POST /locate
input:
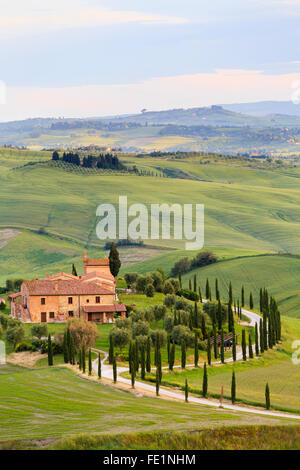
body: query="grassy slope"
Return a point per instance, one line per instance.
(227, 438)
(280, 274)
(55, 402)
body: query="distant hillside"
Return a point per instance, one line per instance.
(264, 108)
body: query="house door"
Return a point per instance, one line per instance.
(43, 317)
(90, 317)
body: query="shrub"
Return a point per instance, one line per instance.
(204, 258)
(123, 323)
(183, 333)
(15, 334)
(84, 333)
(25, 346)
(168, 288)
(170, 300)
(188, 294)
(140, 328)
(149, 290)
(130, 278)
(3, 320)
(39, 330)
(181, 266)
(169, 322)
(182, 304)
(120, 336)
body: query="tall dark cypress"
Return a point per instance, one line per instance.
(114, 260)
(265, 330)
(195, 282)
(114, 369)
(196, 350)
(143, 362)
(243, 296)
(261, 336)
(260, 300)
(251, 303)
(83, 359)
(168, 347)
(230, 299)
(217, 290)
(196, 324)
(256, 340)
(65, 348)
(172, 356)
(233, 388)
(219, 315)
(209, 349)
(222, 347)
(200, 294)
(183, 354)
(233, 345)
(244, 346)
(250, 347)
(99, 366)
(190, 284)
(132, 368)
(267, 395)
(215, 342)
(90, 362)
(203, 327)
(207, 290)
(157, 382)
(111, 350)
(205, 381)
(180, 280)
(50, 351)
(186, 391)
(148, 357)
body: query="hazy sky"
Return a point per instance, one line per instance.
(101, 57)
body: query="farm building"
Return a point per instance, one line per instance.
(62, 296)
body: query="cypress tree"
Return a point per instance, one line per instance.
(200, 295)
(267, 395)
(256, 340)
(180, 280)
(250, 347)
(260, 300)
(80, 359)
(148, 358)
(195, 282)
(190, 284)
(72, 351)
(207, 290)
(205, 382)
(209, 349)
(99, 366)
(186, 391)
(111, 350)
(157, 382)
(196, 350)
(222, 346)
(143, 363)
(115, 369)
(83, 359)
(270, 332)
(65, 348)
(136, 356)
(217, 290)
(50, 351)
(243, 296)
(219, 315)
(203, 327)
(90, 362)
(69, 346)
(230, 293)
(130, 356)
(215, 342)
(251, 303)
(233, 388)
(233, 345)
(244, 346)
(265, 332)
(196, 315)
(183, 354)
(74, 272)
(172, 356)
(114, 260)
(261, 336)
(168, 347)
(132, 373)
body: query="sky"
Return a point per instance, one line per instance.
(81, 58)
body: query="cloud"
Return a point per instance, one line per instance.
(203, 89)
(66, 14)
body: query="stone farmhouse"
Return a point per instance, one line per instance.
(62, 296)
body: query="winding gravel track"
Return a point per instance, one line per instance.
(107, 372)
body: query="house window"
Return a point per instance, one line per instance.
(43, 300)
(71, 313)
(87, 301)
(51, 315)
(97, 300)
(70, 300)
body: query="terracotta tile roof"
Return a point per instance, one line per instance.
(104, 308)
(14, 296)
(97, 262)
(64, 287)
(54, 276)
(100, 276)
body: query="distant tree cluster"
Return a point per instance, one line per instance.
(203, 258)
(103, 161)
